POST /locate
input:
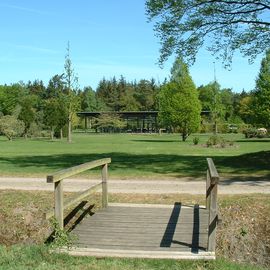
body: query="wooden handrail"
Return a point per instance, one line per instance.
(212, 180)
(58, 177)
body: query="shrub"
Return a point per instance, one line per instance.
(34, 130)
(196, 140)
(11, 127)
(250, 132)
(216, 140)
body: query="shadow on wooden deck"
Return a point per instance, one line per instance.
(147, 231)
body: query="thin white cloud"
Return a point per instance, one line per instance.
(36, 49)
(23, 9)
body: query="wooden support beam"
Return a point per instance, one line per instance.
(77, 198)
(212, 180)
(104, 186)
(58, 178)
(58, 203)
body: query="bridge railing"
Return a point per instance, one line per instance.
(212, 180)
(58, 178)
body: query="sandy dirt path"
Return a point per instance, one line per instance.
(232, 185)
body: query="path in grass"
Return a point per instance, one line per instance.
(232, 185)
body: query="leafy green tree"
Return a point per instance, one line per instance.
(27, 111)
(179, 104)
(56, 86)
(36, 88)
(145, 94)
(109, 122)
(11, 127)
(51, 114)
(246, 110)
(88, 100)
(10, 97)
(227, 98)
(183, 26)
(210, 97)
(261, 104)
(109, 92)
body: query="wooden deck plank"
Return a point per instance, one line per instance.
(160, 254)
(147, 228)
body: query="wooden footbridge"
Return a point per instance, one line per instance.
(140, 230)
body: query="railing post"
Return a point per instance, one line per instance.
(208, 189)
(58, 203)
(104, 185)
(211, 203)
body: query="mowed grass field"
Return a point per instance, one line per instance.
(135, 156)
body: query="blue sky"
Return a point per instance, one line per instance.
(107, 38)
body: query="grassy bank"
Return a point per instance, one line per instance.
(135, 156)
(243, 236)
(38, 257)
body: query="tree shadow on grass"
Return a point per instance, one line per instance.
(157, 141)
(162, 164)
(254, 140)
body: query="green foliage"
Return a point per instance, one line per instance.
(227, 26)
(11, 127)
(261, 102)
(215, 140)
(52, 114)
(10, 97)
(210, 96)
(120, 95)
(196, 140)
(61, 237)
(27, 112)
(179, 104)
(246, 109)
(71, 100)
(109, 122)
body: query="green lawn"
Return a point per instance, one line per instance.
(134, 155)
(38, 257)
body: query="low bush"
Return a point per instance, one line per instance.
(196, 140)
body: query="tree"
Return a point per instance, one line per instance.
(109, 122)
(10, 97)
(179, 104)
(71, 83)
(246, 110)
(51, 114)
(27, 112)
(88, 100)
(210, 97)
(11, 127)
(145, 94)
(261, 101)
(56, 86)
(183, 26)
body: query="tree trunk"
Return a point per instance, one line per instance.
(184, 136)
(61, 133)
(52, 133)
(69, 129)
(215, 128)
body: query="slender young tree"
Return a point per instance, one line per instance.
(72, 101)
